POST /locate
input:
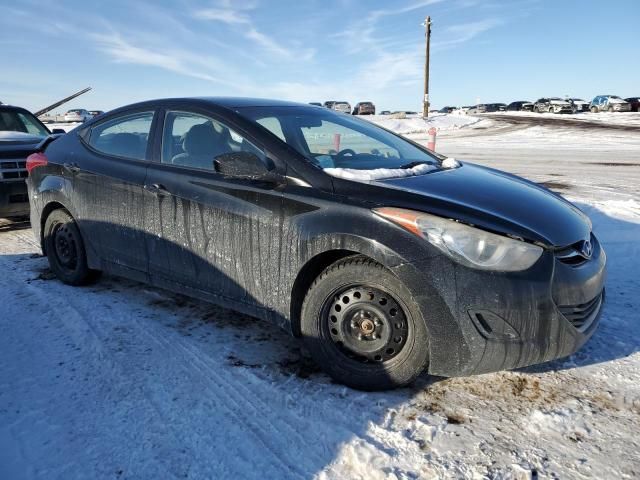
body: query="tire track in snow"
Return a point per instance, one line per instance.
(69, 317)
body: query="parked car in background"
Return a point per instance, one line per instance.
(95, 113)
(579, 105)
(364, 108)
(466, 108)
(385, 112)
(496, 107)
(315, 104)
(20, 133)
(446, 109)
(609, 103)
(518, 106)
(552, 105)
(77, 115)
(328, 104)
(342, 107)
(634, 102)
(480, 108)
(452, 267)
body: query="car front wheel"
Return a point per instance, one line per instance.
(65, 250)
(362, 327)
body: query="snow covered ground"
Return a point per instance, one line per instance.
(119, 380)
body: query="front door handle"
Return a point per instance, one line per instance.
(157, 189)
(71, 167)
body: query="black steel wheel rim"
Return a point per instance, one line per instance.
(65, 247)
(366, 323)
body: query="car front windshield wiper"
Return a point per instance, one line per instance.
(414, 164)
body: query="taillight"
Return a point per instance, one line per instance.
(34, 160)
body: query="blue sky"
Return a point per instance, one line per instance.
(315, 50)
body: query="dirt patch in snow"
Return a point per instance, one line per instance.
(555, 185)
(613, 164)
(560, 121)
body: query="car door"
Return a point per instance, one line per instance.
(601, 103)
(108, 178)
(208, 232)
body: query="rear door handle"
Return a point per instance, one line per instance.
(71, 167)
(157, 189)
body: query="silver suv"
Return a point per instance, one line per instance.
(609, 103)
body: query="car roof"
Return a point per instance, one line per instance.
(226, 102)
(4, 106)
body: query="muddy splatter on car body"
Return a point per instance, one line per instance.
(458, 269)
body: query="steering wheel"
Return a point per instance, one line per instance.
(344, 153)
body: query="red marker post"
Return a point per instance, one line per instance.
(336, 142)
(431, 145)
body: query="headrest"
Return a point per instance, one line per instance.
(200, 140)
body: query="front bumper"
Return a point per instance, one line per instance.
(14, 201)
(481, 321)
(619, 107)
(562, 109)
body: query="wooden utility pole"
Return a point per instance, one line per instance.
(425, 101)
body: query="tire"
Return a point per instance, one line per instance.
(550, 109)
(536, 109)
(358, 297)
(594, 110)
(65, 250)
(610, 110)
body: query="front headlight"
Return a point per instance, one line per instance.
(466, 245)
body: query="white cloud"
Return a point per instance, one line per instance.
(225, 15)
(124, 51)
(237, 17)
(464, 32)
(361, 36)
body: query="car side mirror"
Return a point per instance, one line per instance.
(58, 130)
(243, 165)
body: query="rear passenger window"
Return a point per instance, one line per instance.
(192, 140)
(126, 136)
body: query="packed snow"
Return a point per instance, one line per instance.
(120, 380)
(379, 173)
(417, 124)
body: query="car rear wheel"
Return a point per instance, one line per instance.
(594, 110)
(361, 326)
(65, 250)
(550, 109)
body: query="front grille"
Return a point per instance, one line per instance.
(19, 198)
(573, 255)
(13, 169)
(582, 316)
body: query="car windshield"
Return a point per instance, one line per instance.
(21, 121)
(331, 140)
(615, 96)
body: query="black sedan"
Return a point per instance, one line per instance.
(520, 106)
(634, 102)
(386, 258)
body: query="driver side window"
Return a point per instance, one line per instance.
(331, 139)
(193, 140)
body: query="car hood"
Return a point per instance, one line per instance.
(558, 102)
(18, 138)
(496, 201)
(616, 100)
